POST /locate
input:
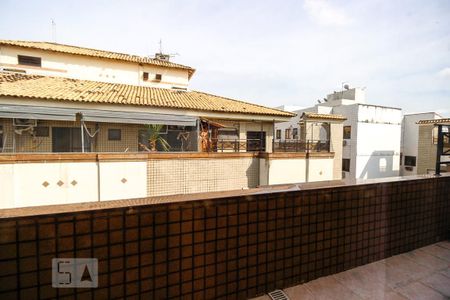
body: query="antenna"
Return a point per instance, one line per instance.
(53, 30)
(162, 56)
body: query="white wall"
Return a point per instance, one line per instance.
(123, 180)
(90, 68)
(25, 184)
(294, 170)
(33, 184)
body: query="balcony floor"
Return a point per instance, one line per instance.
(420, 274)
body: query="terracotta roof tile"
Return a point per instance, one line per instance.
(64, 89)
(311, 115)
(445, 121)
(96, 53)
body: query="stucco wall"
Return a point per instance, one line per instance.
(295, 170)
(90, 68)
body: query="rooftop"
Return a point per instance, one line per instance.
(420, 274)
(74, 90)
(75, 50)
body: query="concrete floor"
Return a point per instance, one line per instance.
(420, 274)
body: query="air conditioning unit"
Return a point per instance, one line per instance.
(24, 122)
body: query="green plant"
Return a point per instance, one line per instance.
(154, 137)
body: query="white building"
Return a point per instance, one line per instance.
(372, 133)
(410, 141)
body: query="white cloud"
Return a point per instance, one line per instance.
(444, 73)
(324, 13)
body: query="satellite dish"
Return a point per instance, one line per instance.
(318, 101)
(346, 86)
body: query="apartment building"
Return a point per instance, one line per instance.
(371, 133)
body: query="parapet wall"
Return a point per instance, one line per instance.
(231, 245)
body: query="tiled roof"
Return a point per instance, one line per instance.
(64, 89)
(435, 121)
(311, 115)
(95, 53)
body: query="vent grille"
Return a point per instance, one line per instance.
(278, 295)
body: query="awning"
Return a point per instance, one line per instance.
(37, 112)
(137, 118)
(92, 115)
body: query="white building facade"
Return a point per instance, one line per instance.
(372, 134)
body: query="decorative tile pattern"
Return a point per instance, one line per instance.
(60, 183)
(74, 182)
(45, 184)
(124, 180)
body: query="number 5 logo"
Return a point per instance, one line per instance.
(64, 277)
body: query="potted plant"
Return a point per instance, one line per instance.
(153, 134)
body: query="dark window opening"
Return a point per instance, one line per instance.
(114, 134)
(410, 161)
(278, 134)
(67, 139)
(29, 60)
(295, 133)
(145, 76)
(346, 165)
(256, 141)
(287, 134)
(158, 77)
(347, 132)
(42, 131)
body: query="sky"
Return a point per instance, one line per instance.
(280, 52)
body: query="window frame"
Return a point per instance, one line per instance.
(111, 132)
(410, 161)
(22, 60)
(344, 163)
(347, 135)
(278, 134)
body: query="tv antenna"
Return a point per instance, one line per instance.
(162, 56)
(53, 30)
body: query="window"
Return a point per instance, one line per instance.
(256, 141)
(145, 76)
(114, 134)
(287, 134)
(346, 165)
(42, 131)
(410, 161)
(295, 133)
(278, 134)
(29, 60)
(158, 77)
(347, 132)
(67, 139)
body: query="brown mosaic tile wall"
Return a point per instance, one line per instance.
(229, 248)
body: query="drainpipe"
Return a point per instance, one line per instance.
(82, 134)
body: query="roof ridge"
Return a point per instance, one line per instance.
(241, 101)
(19, 43)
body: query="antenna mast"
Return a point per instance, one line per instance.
(53, 31)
